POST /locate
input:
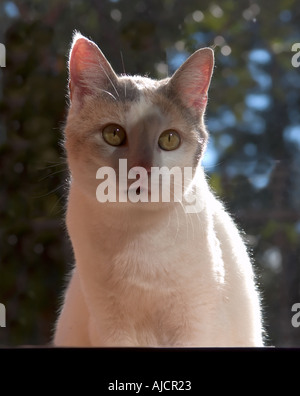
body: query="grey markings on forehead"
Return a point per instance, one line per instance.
(122, 90)
(133, 88)
(144, 121)
(128, 91)
(144, 114)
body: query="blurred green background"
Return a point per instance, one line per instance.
(252, 160)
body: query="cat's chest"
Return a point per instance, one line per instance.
(156, 258)
(148, 249)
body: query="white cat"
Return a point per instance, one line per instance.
(149, 274)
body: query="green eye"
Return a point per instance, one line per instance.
(114, 135)
(169, 140)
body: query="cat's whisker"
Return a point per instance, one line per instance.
(54, 164)
(49, 192)
(109, 93)
(178, 227)
(110, 80)
(52, 174)
(58, 201)
(125, 85)
(186, 217)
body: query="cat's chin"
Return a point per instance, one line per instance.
(141, 198)
(139, 207)
(140, 194)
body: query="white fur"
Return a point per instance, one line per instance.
(172, 280)
(138, 111)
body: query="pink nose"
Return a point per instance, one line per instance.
(144, 166)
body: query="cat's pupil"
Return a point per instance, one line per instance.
(169, 140)
(114, 135)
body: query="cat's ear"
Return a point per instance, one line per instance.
(191, 81)
(89, 70)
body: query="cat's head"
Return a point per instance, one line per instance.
(146, 122)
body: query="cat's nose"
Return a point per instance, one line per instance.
(145, 166)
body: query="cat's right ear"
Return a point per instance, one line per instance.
(89, 70)
(191, 81)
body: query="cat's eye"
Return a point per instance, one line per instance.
(169, 140)
(114, 134)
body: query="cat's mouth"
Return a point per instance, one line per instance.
(139, 190)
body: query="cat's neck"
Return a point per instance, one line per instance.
(119, 217)
(107, 228)
(133, 234)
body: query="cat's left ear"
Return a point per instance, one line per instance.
(191, 81)
(89, 70)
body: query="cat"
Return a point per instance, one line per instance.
(149, 274)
